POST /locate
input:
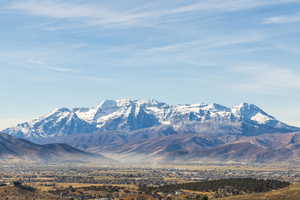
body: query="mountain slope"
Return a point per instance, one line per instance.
(167, 145)
(19, 193)
(289, 193)
(20, 149)
(127, 116)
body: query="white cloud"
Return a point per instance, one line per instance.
(63, 10)
(60, 69)
(41, 65)
(6, 122)
(229, 5)
(210, 43)
(56, 9)
(294, 123)
(98, 14)
(267, 78)
(283, 19)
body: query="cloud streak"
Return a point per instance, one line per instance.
(41, 65)
(267, 78)
(229, 5)
(7, 122)
(283, 19)
(100, 15)
(209, 43)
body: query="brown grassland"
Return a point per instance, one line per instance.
(290, 193)
(14, 193)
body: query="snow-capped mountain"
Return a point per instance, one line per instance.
(58, 122)
(129, 115)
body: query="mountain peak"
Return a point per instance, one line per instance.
(107, 104)
(252, 112)
(217, 107)
(64, 109)
(246, 105)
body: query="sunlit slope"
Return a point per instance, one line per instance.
(290, 193)
(15, 193)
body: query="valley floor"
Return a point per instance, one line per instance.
(86, 182)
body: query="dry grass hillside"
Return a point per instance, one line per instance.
(16, 193)
(290, 193)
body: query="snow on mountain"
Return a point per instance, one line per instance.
(250, 112)
(128, 115)
(61, 121)
(122, 114)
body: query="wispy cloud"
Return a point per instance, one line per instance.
(98, 14)
(41, 65)
(91, 14)
(57, 9)
(295, 123)
(209, 43)
(284, 19)
(60, 69)
(260, 77)
(6, 122)
(229, 5)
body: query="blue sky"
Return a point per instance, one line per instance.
(57, 53)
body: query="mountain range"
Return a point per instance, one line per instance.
(169, 132)
(130, 115)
